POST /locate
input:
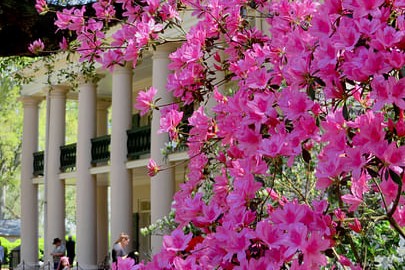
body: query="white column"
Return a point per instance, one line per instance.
(120, 177)
(54, 187)
(86, 248)
(102, 187)
(29, 191)
(162, 185)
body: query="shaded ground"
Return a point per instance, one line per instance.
(20, 24)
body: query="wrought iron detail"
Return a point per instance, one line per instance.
(39, 163)
(68, 157)
(138, 142)
(100, 149)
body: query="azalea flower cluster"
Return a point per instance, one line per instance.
(319, 83)
(36, 47)
(143, 23)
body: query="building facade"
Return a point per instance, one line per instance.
(106, 166)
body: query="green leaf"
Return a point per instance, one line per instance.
(345, 112)
(311, 91)
(320, 81)
(306, 156)
(395, 177)
(372, 173)
(402, 72)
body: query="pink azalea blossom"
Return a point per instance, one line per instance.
(399, 215)
(386, 38)
(233, 242)
(389, 190)
(189, 208)
(340, 214)
(153, 168)
(144, 100)
(177, 241)
(274, 146)
(71, 19)
(319, 91)
(363, 7)
(104, 9)
(394, 156)
(36, 47)
(347, 35)
(399, 126)
(169, 12)
(169, 122)
(63, 45)
(187, 263)
(294, 103)
(358, 188)
(111, 58)
(312, 250)
(292, 213)
(270, 234)
(355, 226)
(371, 130)
(124, 263)
(41, 6)
(344, 261)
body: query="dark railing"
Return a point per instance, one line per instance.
(68, 157)
(100, 149)
(39, 163)
(138, 142)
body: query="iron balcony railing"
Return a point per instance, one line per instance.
(100, 149)
(138, 142)
(39, 163)
(68, 157)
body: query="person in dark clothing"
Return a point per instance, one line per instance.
(134, 255)
(70, 249)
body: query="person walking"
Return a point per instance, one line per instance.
(70, 249)
(119, 247)
(58, 252)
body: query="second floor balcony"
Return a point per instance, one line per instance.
(138, 144)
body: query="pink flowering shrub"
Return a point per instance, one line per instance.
(320, 86)
(124, 263)
(36, 47)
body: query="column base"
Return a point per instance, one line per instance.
(30, 266)
(84, 267)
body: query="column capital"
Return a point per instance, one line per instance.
(89, 80)
(103, 104)
(58, 91)
(162, 51)
(30, 101)
(127, 68)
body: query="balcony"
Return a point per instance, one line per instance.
(138, 143)
(68, 157)
(100, 149)
(39, 163)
